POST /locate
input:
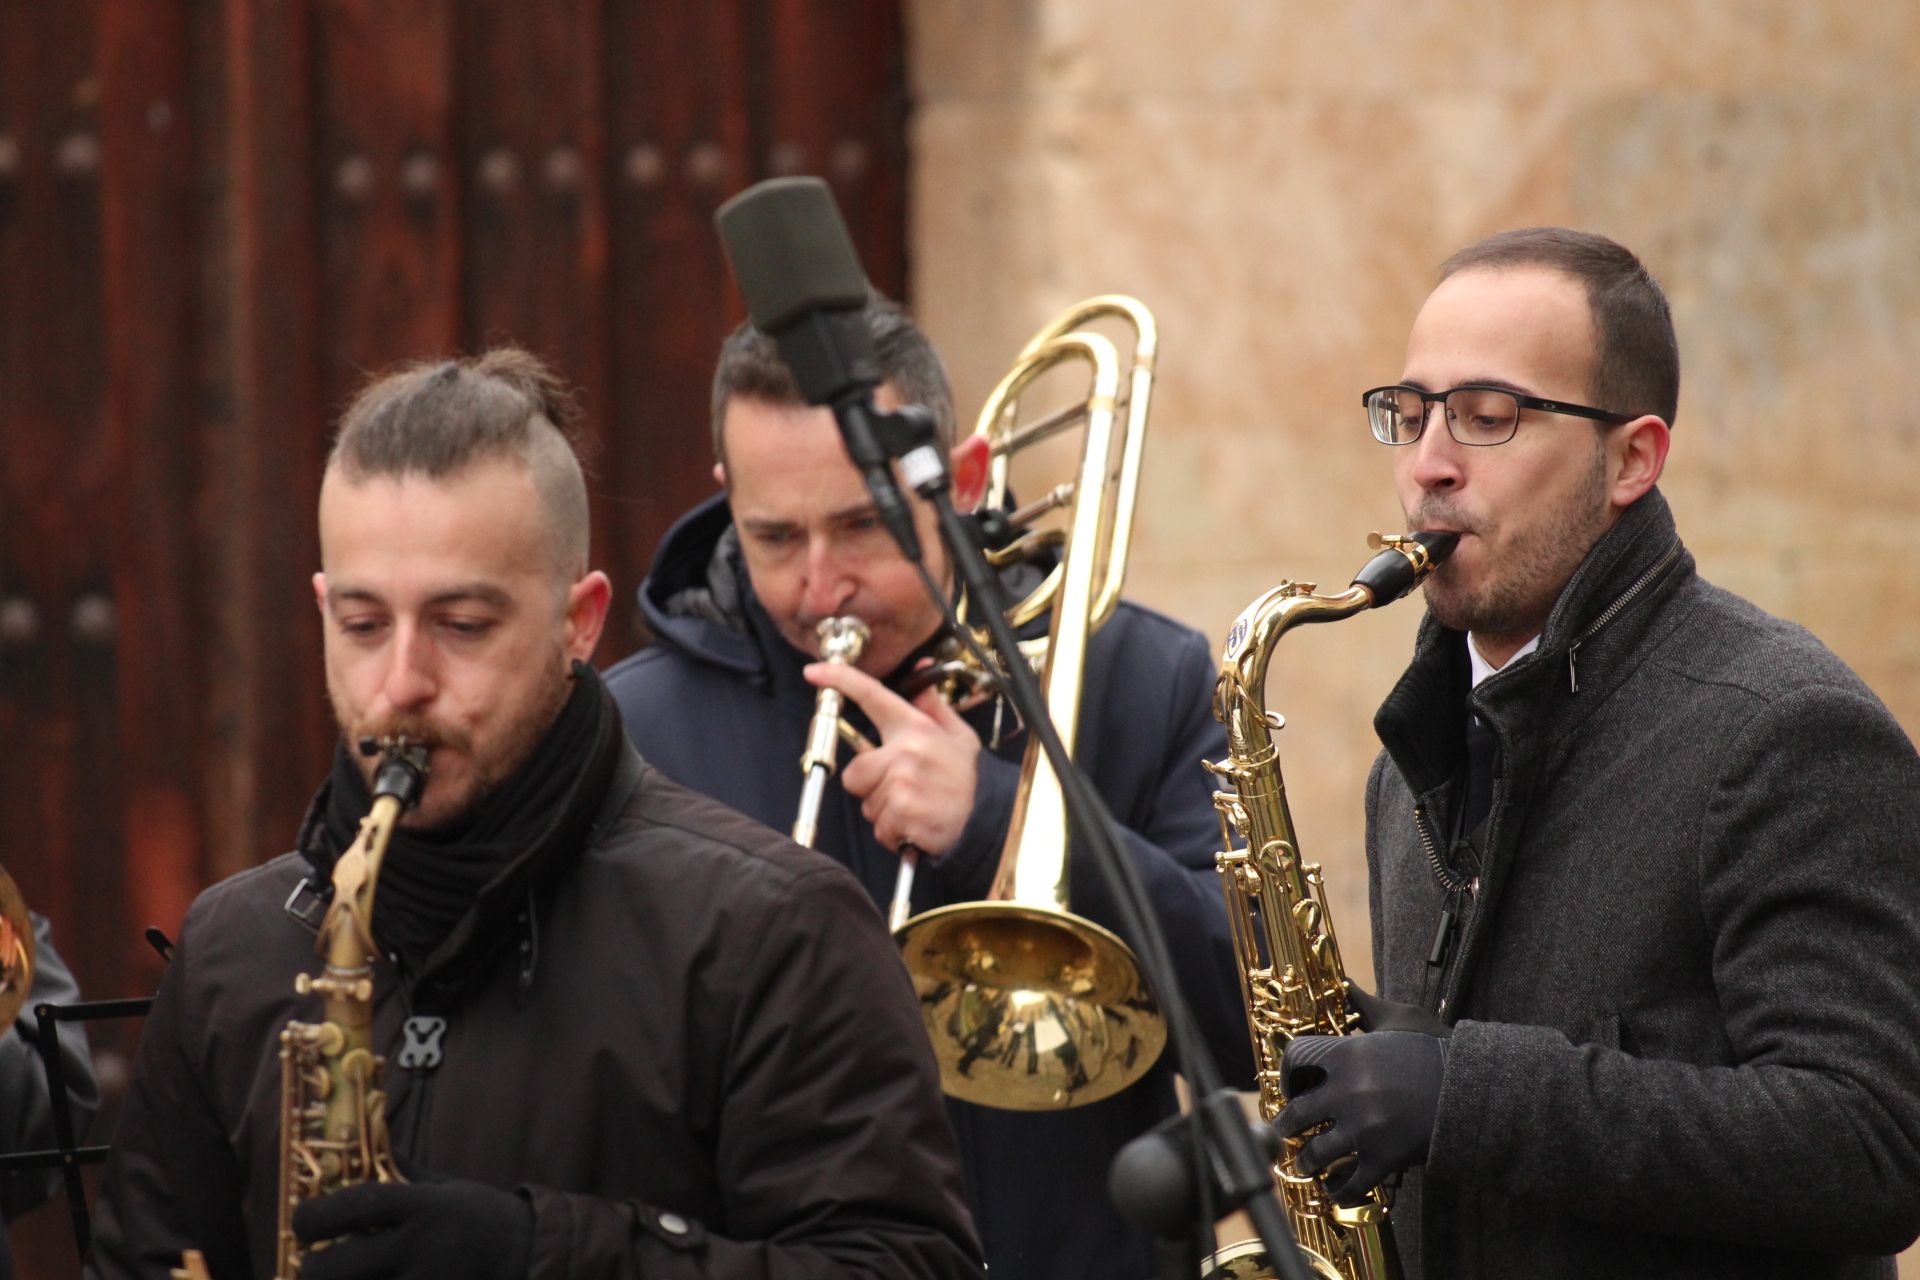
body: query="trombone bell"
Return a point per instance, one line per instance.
(1031, 1009)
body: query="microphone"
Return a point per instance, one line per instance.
(1151, 1178)
(804, 288)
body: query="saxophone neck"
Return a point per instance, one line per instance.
(1240, 697)
(346, 934)
(1400, 562)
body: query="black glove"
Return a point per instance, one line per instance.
(417, 1231)
(1378, 1093)
(1379, 1014)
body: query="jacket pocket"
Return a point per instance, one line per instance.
(1608, 1031)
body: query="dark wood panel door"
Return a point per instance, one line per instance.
(216, 218)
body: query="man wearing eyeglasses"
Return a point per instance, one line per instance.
(1642, 857)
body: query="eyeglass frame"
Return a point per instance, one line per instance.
(1520, 399)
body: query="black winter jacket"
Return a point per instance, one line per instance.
(719, 704)
(701, 1023)
(1686, 991)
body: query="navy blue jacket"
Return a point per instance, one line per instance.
(718, 704)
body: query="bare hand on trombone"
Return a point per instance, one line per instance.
(917, 786)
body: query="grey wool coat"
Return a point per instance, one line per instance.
(1685, 973)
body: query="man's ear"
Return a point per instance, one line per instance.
(587, 604)
(720, 474)
(320, 592)
(969, 463)
(1642, 445)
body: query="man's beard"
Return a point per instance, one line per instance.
(522, 738)
(515, 747)
(1515, 596)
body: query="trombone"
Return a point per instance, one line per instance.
(841, 640)
(1029, 1006)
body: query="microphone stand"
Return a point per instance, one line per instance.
(1221, 1153)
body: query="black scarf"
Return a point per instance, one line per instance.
(442, 890)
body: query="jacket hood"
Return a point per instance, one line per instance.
(695, 594)
(698, 599)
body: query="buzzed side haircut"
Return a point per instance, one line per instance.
(750, 367)
(436, 418)
(1636, 366)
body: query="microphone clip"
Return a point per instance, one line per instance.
(875, 438)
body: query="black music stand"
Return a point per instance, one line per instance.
(69, 1156)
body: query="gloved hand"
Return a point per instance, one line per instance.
(1378, 1093)
(417, 1231)
(1378, 1014)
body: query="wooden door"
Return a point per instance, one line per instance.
(216, 217)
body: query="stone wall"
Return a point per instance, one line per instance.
(1278, 180)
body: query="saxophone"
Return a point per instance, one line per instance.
(1290, 972)
(333, 1113)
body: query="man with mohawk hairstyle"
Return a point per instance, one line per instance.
(627, 1031)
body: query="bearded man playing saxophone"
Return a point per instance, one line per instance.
(722, 701)
(643, 1036)
(1642, 856)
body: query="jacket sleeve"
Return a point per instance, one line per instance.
(833, 1153)
(28, 1109)
(1171, 832)
(171, 1181)
(1810, 1139)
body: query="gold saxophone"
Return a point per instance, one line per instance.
(333, 1113)
(1290, 971)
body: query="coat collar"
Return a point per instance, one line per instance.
(1591, 642)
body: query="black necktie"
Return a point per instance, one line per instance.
(1480, 749)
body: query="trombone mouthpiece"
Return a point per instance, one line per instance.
(841, 639)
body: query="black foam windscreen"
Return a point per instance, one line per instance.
(790, 252)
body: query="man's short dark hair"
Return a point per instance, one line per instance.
(750, 366)
(435, 418)
(1636, 366)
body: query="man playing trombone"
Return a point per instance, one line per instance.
(722, 703)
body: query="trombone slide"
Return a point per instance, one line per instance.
(841, 640)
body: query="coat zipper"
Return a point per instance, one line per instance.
(1450, 880)
(1607, 615)
(1450, 973)
(1612, 611)
(1457, 886)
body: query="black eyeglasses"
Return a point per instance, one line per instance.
(1476, 415)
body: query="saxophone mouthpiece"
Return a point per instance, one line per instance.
(402, 770)
(1439, 544)
(1403, 560)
